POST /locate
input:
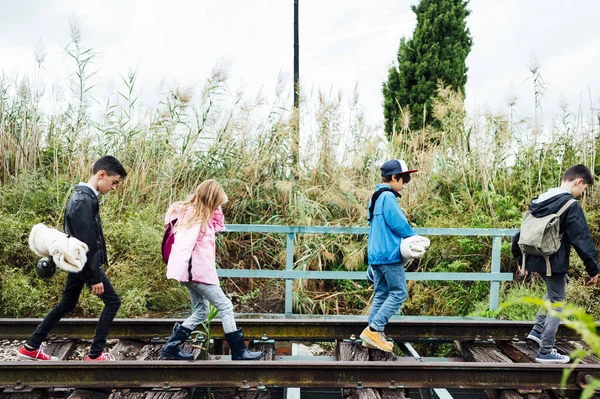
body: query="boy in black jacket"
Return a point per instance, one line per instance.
(82, 221)
(575, 232)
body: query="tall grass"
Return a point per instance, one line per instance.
(475, 171)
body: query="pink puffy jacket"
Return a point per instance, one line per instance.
(197, 245)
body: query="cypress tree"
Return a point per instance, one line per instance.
(436, 52)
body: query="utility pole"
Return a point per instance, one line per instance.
(296, 58)
(296, 110)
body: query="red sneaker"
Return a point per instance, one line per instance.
(36, 354)
(104, 357)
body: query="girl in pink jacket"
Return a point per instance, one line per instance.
(192, 262)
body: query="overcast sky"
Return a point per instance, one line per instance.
(343, 43)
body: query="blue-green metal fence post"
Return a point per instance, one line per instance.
(289, 265)
(495, 285)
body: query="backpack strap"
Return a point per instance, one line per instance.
(522, 267)
(565, 206)
(559, 213)
(376, 195)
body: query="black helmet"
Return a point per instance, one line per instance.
(45, 267)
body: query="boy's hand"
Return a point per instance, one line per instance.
(593, 280)
(98, 289)
(524, 272)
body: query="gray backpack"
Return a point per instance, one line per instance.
(541, 236)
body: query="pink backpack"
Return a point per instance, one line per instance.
(168, 240)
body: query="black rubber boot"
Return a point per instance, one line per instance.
(238, 347)
(172, 350)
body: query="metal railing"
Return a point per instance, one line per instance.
(289, 274)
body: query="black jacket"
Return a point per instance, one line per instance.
(575, 232)
(82, 221)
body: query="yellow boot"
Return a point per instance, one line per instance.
(376, 339)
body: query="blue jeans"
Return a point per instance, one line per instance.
(390, 294)
(546, 326)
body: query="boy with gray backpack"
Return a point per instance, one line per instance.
(555, 222)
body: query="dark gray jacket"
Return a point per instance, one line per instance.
(575, 232)
(82, 221)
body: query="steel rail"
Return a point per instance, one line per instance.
(309, 329)
(239, 374)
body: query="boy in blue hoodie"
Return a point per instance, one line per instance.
(575, 232)
(388, 226)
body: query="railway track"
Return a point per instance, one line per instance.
(405, 329)
(312, 374)
(505, 363)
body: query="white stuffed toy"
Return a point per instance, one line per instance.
(67, 252)
(413, 247)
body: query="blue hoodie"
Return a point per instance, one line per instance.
(387, 229)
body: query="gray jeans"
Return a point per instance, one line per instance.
(545, 325)
(201, 294)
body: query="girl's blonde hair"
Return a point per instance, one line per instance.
(199, 207)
